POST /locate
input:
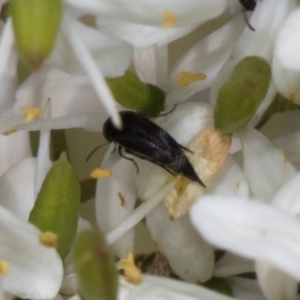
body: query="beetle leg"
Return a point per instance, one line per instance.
(128, 158)
(186, 149)
(115, 144)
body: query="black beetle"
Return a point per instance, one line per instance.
(144, 139)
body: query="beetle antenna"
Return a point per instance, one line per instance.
(94, 150)
(247, 21)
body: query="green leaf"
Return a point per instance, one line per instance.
(57, 206)
(134, 94)
(219, 285)
(240, 97)
(35, 25)
(95, 267)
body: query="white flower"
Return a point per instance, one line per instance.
(266, 232)
(28, 260)
(147, 24)
(78, 48)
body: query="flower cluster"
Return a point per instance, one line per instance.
(231, 99)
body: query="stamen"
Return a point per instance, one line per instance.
(88, 63)
(185, 78)
(139, 214)
(168, 19)
(100, 173)
(132, 272)
(48, 239)
(30, 112)
(4, 267)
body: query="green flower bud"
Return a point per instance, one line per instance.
(240, 97)
(95, 267)
(35, 24)
(57, 206)
(134, 94)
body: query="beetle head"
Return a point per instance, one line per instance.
(108, 129)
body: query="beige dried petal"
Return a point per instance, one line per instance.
(210, 148)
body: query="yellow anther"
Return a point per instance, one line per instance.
(131, 271)
(30, 112)
(168, 19)
(185, 78)
(48, 239)
(4, 267)
(9, 131)
(100, 173)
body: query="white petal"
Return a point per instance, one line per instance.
(141, 36)
(6, 46)
(195, 261)
(186, 121)
(17, 188)
(276, 284)
(69, 94)
(207, 56)
(267, 19)
(288, 42)
(250, 229)
(151, 65)
(288, 197)
(9, 82)
(35, 271)
(13, 148)
(189, 12)
(290, 144)
(191, 290)
(43, 155)
(139, 213)
(286, 80)
(69, 285)
(229, 180)
(113, 57)
(230, 264)
(115, 200)
(265, 166)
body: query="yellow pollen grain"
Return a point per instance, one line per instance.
(131, 271)
(298, 215)
(48, 239)
(100, 173)
(168, 19)
(185, 78)
(4, 267)
(30, 112)
(9, 131)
